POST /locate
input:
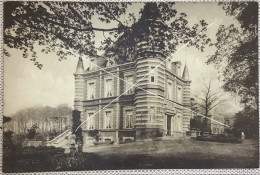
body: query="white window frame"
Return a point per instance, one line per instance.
(128, 85)
(106, 87)
(170, 90)
(178, 94)
(92, 120)
(129, 118)
(110, 120)
(89, 96)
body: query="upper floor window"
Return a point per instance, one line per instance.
(152, 74)
(152, 78)
(91, 91)
(128, 84)
(128, 119)
(179, 94)
(90, 121)
(108, 120)
(152, 114)
(108, 88)
(170, 91)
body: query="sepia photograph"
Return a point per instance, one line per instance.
(91, 86)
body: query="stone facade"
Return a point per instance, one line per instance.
(151, 108)
(136, 114)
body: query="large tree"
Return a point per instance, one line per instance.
(236, 56)
(209, 97)
(246, 121)
(43, 117)
(74, 25)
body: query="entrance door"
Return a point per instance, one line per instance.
(169, 125)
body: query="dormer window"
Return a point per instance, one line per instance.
(92, 64)
(179, 70)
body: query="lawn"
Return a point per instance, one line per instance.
(166, 154)
(183, 153)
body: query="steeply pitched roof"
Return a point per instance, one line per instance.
(80, 66)
(185, 74)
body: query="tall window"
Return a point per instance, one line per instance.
(90, 121)
(91, 91)
(152, 74)
(179, 94)
(170, 91)
(128, 119)
(108, 120)
(152, 114)
(129, 79)
(108, 88)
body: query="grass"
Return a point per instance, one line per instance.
(173, 154)
(166, 154)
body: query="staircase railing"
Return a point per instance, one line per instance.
(59, 138)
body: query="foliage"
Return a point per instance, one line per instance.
(209, 97)
(36, 159)
(75, 130)
(32, 132)
(71, 25)
(40, 115)
(6, 119)
(95, 134)
(18, 139)
(9, 148)
(196, 123)
(194, 105)
(246, 121)
(236, 55)
(219, 138)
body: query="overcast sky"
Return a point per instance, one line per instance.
(25, 85)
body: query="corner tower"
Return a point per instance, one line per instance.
(186, 98)
(79, 86)
(149, 72)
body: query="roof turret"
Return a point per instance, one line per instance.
(185, 74)
(80, 66)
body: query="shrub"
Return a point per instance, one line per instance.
(218, 138)
(37, 159)
(95, 134)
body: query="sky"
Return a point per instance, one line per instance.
(26, 86)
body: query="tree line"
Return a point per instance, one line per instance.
(46, 118)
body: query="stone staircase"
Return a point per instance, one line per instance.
(61, 141)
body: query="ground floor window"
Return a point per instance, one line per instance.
(108, 120)
(90, 121)
(128, 119)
